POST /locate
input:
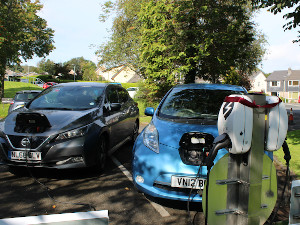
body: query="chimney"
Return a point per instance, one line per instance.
(289, 71)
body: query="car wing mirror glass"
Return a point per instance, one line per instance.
(149, 111)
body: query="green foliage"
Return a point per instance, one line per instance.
(89, 73)
(12, 87)
(3, 110)
(23, 33)
(78, 64)
(174, 41)
(185, 39)
(62, 70)
(122, 48)
(277, 6)
(293, 140)
(46, 66)
(234, 77)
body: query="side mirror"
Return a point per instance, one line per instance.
(149, 111)
(115, 106)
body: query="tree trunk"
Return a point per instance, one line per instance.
(190, 77)
(2, 73)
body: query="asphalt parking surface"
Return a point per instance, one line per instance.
(55, 192)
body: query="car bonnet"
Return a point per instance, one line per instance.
(59, 120)
(171, 132)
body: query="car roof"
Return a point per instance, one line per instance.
(210, 86)
(28, 91)
(80, 84)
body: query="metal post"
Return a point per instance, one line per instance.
(245, 197)
(74, 72)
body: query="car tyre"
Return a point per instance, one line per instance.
(135, 131)
(101, 154)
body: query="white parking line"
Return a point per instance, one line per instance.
(161, 210)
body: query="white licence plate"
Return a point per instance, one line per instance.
(187, 182)
(21, 155)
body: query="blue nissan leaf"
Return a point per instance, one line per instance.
(163, 166)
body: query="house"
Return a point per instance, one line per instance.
(12, 76)
(120, 74)
(258, 82)
(284, 83)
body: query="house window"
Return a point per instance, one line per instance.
(274, 93)
(293, 95)
(293, 83)
(275, 83)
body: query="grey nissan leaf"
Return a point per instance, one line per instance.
(69, 125)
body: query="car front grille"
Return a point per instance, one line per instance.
(22, 142)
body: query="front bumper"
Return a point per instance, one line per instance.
(67, 154)
(152, 172)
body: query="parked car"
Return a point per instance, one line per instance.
(48, 84)
(132, 91)
(160, 167)
(21, 98)
(69, 125)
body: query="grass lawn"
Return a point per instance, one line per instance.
(293, 141)
(10, 88)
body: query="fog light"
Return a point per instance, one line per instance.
(139, 179)
(77, 159)
(71, 160)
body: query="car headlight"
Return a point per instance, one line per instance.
(150, 137)
(72, 133)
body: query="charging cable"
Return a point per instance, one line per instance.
(47, 189)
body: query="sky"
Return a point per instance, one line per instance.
(78, 32)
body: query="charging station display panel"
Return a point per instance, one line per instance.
(78, 218)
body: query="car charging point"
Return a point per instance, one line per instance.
(243, 184)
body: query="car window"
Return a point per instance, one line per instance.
(21, 97)
(123, 95)
(68, 97)
(112, 95)
(131, 89)
(193, 104)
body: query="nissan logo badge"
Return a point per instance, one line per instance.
(25, 142)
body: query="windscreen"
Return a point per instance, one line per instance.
(68, 98)
(194, 104)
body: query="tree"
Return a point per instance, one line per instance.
(23, 34)
(195, 38)
(76, 64)
(276, 6)
(169, 41)
(62, 70)
(122, 48)
(46, 66)
(89, 71)
(235, 77)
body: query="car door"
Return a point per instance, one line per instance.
(127, 120)
(112, 116)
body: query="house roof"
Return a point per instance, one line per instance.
(117, 73)
(295, 75)
(255, 74)
(278, 75)
(281, 75)
(134, 79)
